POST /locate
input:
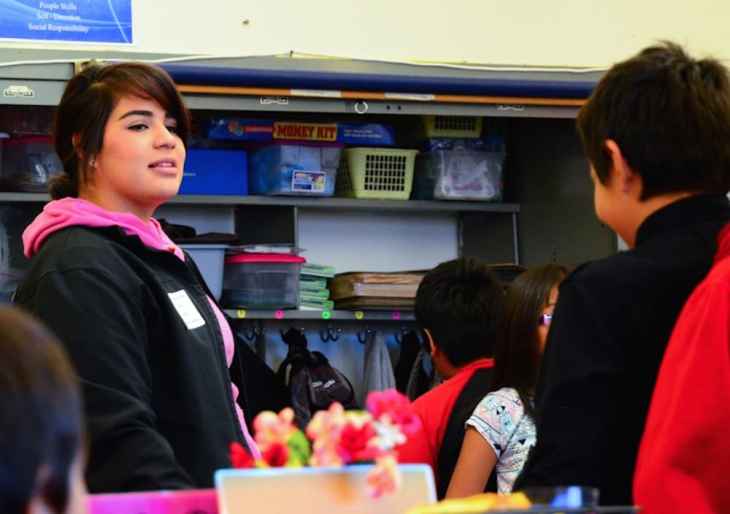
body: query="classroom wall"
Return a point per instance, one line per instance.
(587, 33)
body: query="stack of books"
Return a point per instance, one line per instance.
(371, 290)
(313, 291)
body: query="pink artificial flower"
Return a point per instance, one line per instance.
(240, 456)
(396, 407)
(273, 428)
(327, 423)
(325, 456)
(324, 431)
(384, 478)
(276, 455)
(355, 440)
(388, 436)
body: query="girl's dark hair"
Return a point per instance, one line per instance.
(40, 414)
(517, 355)
(87, 102)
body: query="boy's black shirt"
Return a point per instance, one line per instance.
(611, 325)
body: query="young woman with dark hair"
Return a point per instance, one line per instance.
(501, 431)
(158, 363)
(41, 456)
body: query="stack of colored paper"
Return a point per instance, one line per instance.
(313, 291)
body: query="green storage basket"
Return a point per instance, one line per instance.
(376, 173)
(462, 127)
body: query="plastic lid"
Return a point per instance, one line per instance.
(24, 140)
(266, 248)
(242, 258)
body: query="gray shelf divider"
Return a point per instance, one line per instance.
(24, 197)
(311, 203)
(395, 316)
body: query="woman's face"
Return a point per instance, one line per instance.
(546, 317)
(141, 160)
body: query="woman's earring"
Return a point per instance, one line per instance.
(92, 163)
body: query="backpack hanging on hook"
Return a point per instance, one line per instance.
(312, 382)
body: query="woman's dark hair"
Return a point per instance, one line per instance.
(670, 116)
(517, 356)
(87, 102)
(40, 414)
(460, 303)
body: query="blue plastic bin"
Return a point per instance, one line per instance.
(290, 169)
(215, 172)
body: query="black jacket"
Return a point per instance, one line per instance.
(611, 326)
(158, 400)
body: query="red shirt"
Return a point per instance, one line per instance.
(434, 409)
(685, 451)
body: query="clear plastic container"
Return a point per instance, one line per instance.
(459, 175)
(9, 281)
(29, 162)
(3, 137)
(297, 170)
(13, 264)
(209, 259)
(261, 281)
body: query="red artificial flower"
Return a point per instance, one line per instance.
(240, 457)
(276, 455)
(353, 445)
(397, 407)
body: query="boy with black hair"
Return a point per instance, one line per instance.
(656, 131)
(458, 306)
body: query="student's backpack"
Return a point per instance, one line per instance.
(312, 382)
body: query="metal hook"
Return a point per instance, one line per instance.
(324, 335)
(399, 335)
(362, 335)
(259, 328)
(329, 333)
(334, 333)
(249, 334)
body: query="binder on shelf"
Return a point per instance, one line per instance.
(318, 270)
(307, 283)
(319, 305)
(321, 294)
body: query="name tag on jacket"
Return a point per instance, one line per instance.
(185, 308)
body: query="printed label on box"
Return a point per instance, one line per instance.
(308, 181)
(305, 131)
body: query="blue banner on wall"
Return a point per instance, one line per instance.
(84, 21)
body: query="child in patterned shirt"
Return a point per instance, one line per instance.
(501, 431)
